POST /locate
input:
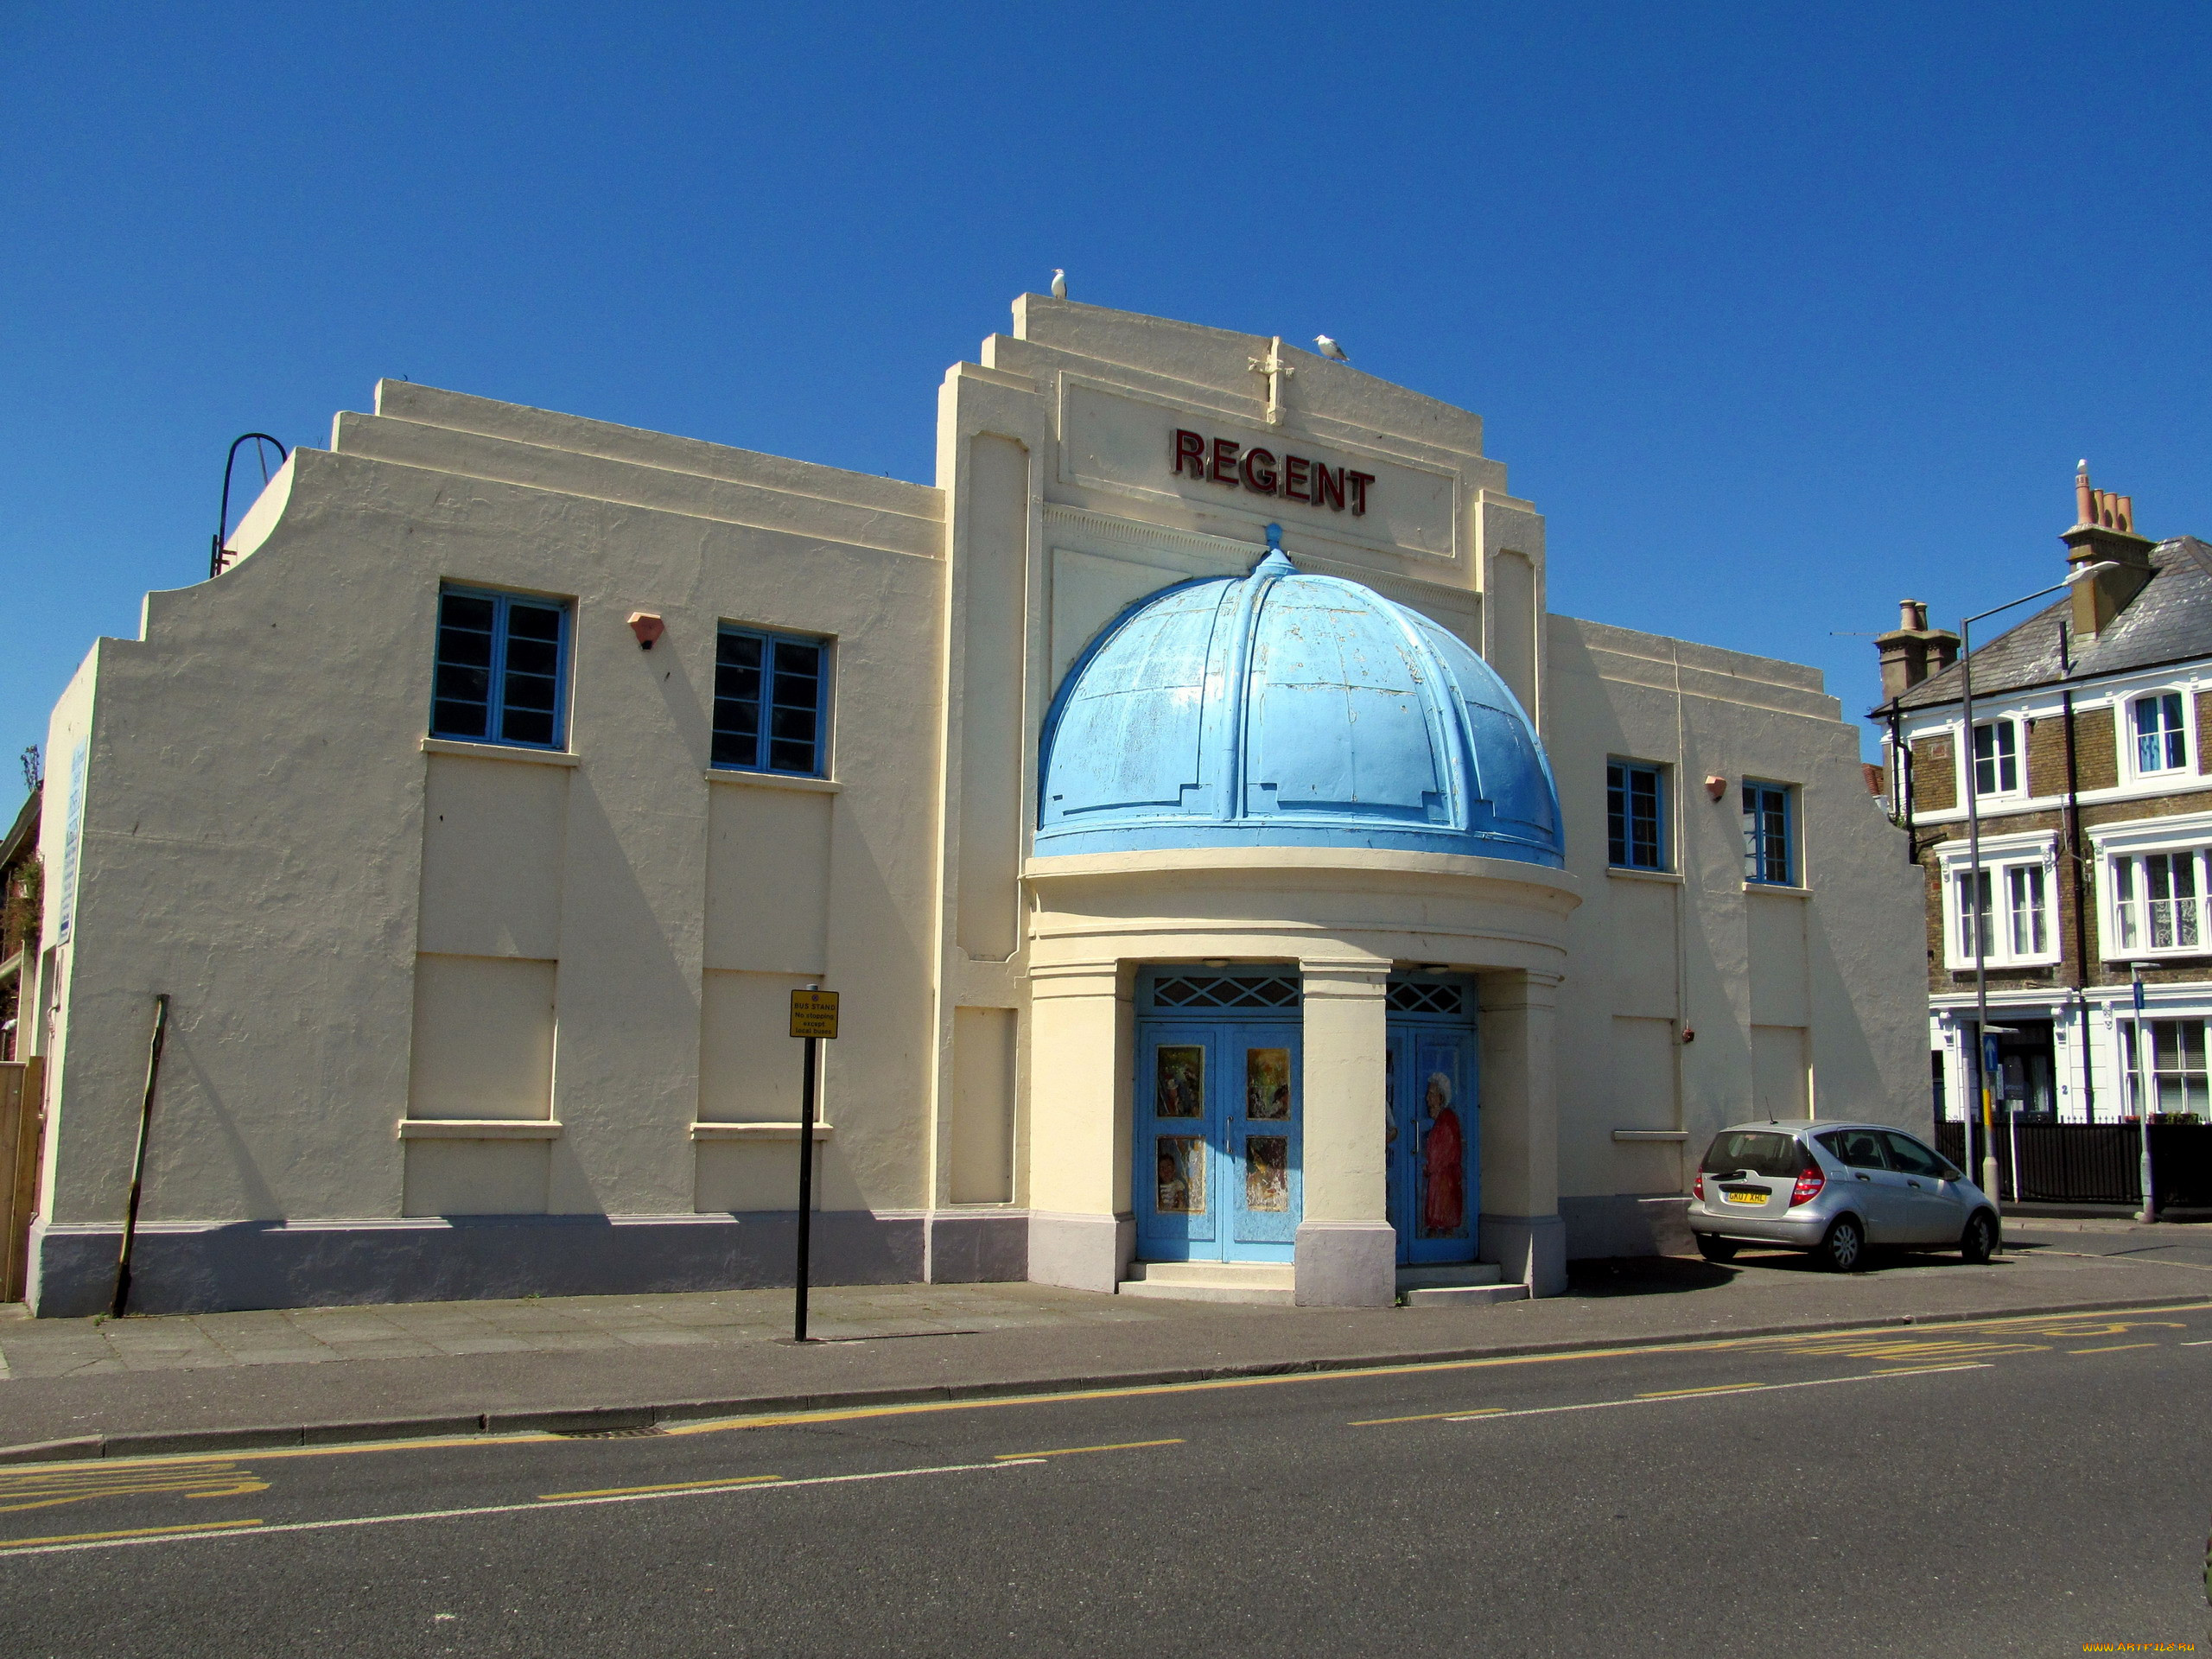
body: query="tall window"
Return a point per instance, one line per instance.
(2165, 1064)
(1974, 928)
(1766, 833)
(1634, 838)
(1996, 760)
(770, 702)
(2026, 929)
(2160, 743)
(2155, 903)
(501, 661)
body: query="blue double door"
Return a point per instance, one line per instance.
(1219, 1152)
(1433, 1168)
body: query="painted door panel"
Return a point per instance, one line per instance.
(1429, 1074)
(1265, 1112)
(1219, 1150)
(1177, 1186)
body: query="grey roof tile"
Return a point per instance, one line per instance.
(2170, 621)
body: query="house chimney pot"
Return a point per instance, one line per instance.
(2104, 533)
(1913, 651)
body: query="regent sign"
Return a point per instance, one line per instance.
(1294, 478)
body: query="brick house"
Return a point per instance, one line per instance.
(2094, 786)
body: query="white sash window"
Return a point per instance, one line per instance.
(2006, 909)
(2155, 905)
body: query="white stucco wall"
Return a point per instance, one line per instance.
(566, 974)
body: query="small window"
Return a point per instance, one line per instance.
(1767, 835)
(1856, 1148)
(1909, 1157)
(502, 663)
(770, 703)
(1635, 816)
(2161, 745)
(1996, 759)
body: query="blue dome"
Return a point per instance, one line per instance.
(1280, 709)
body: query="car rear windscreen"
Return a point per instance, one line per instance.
(1761, 1151)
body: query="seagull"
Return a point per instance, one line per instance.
(1059, 284)
(1330, 349)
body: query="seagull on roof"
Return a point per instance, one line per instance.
(1330, 349)
(1059, 284)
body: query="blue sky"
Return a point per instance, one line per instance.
(1780, 314)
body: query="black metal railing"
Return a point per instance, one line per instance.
(2091, 1163)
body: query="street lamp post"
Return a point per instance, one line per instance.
(1980, 912)
(2144, 1098)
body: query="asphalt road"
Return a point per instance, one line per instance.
(2011, 1487)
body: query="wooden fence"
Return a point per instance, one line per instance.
(22, 1095)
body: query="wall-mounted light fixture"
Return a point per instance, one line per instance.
(1716, 786)
(648, 626)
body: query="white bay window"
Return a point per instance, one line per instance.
(2152, 879)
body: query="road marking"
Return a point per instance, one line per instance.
(2118, 1347)
(1073, 1450)
(665, 1486)
(1710, 1388)
(1692, 1394)
(194, 1529)
(777, 1420)
(1426, 1417)
(185, 1535)
(80, 1484)
(2207, 1343)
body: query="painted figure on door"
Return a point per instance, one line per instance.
(1182, 1176)
(1182, 1080)
(1267, 1083)
(1443, 1164)
(1266, 1172)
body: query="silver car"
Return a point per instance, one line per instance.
(1834, 1189)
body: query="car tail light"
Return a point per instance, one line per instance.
(1809, 1182)
(1697, 1188)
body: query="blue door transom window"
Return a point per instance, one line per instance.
(501, 668)
(770, 702)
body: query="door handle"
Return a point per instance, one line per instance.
(1915, 1186)
(1865, 1177)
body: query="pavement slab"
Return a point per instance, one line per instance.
(190, 1374)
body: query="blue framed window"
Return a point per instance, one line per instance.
(502, 667)
(1635, 816)
(772, 701)
(2161, 744)
(1767, 835)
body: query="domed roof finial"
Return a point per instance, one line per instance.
(1277, 562)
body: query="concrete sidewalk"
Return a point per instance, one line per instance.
(579, 1363)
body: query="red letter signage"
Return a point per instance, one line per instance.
(1296, 477)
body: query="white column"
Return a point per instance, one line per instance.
(1347, 1252)
(1081, 1231)
(1521, 1227)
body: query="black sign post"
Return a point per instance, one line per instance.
(814, 1017)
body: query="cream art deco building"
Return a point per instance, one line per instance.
(1236, 881)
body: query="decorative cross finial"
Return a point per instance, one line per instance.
(1277, 371)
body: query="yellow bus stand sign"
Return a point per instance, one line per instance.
(814, 1014)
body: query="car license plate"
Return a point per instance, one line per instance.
(1745, 1198)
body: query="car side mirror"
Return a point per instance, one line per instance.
(1950, 1174)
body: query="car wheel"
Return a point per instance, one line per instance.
(1844, 1249)
(1978, 1243)
(1714, 1249)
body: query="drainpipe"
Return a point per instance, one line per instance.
(2077, 870)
